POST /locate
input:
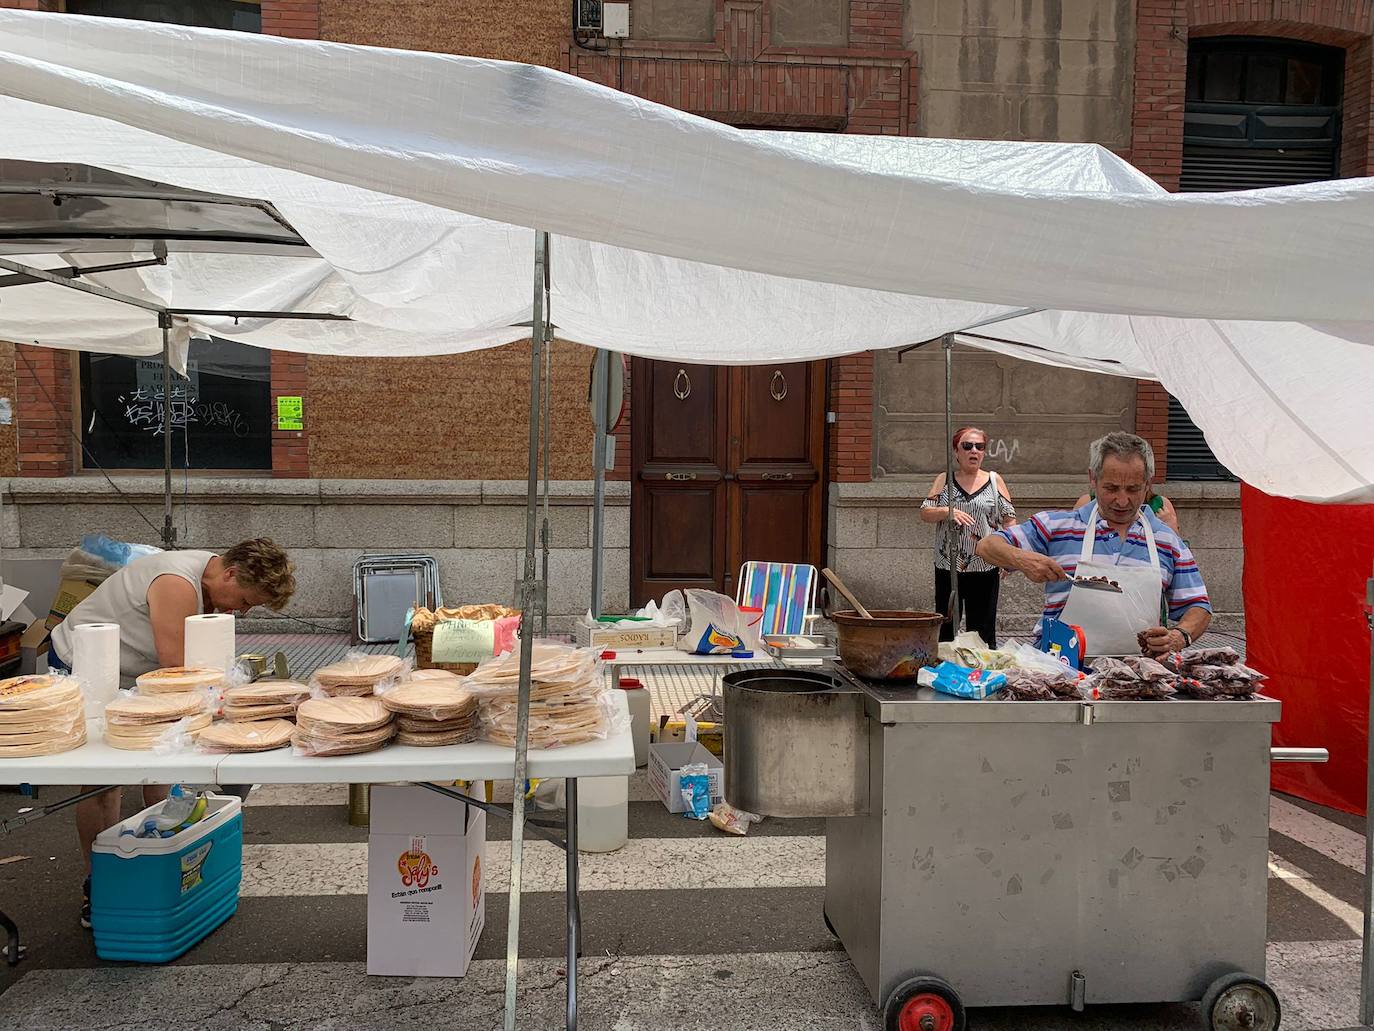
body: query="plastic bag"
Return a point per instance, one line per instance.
(969, 649)
(673, 609)
(714, 626)
(725, 817)
(553, 724)
(964, 682)
(358, 674)
(1042, 684)
(695, 784)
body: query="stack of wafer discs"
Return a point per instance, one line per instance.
(179, 680)
(258, 736)
(138, 722)
(40, 715)
(432, 712)
(264, 700)
(342, 726)
(568, 697)
(440, 676)
(358, 676)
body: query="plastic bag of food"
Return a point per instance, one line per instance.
(358, 674)
(1042, 684)
(714, 626)
(964, 682)
(969, 649)
(725, 817)
(695, 782)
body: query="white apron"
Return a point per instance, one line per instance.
(1110, 621)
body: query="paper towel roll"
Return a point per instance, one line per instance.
(210, 640)
(95, 661)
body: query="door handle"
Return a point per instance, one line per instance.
(777, 476)
(679, 476)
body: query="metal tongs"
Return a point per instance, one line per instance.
(1096, 585)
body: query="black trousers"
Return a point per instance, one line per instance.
(977, 599)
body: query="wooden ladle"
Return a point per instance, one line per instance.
(834, 578)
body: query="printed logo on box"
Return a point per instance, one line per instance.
(191, 865)
(476, 880)
(415, 865)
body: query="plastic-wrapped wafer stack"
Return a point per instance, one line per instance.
(342, 726)
(140, 722)
(357, 675)
(264, 700)
(41, 715)
(569, 698)
(433, 710)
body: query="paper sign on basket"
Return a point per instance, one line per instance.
(463, 640)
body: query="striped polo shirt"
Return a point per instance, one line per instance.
(1059, 535)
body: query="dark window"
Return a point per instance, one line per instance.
(220, 412)
(205, 14)
(221, 416)
(1228, 70)
(1259, 113)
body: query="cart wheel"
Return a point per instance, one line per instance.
(1239, 1002)
(828, 925)
(924, 1004)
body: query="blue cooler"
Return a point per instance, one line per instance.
(154, 898)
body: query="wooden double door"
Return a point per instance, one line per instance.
(727, 467)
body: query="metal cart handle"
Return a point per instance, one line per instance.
(1298, 755)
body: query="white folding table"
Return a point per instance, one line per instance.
(97, 763)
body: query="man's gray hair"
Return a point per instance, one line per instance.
(1121, 445)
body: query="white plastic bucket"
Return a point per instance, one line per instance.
(603, 813)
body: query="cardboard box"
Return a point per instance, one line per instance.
(666, 761)
(711, 735)
(624, 637)
(426, 890)
(70, 593)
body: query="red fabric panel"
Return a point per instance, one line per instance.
(1306, 567)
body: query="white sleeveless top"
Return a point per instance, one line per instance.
(123, 599)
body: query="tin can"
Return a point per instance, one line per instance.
(256, 665)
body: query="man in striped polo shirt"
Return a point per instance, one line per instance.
(1049, 546)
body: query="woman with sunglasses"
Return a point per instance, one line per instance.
(981, 503)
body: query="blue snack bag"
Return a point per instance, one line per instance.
(964, 682)
(695, 784)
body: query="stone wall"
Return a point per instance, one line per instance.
(886, 555)
(1025, 69)
(474, 528)
(1040, 420)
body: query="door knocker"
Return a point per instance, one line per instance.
(682, 385)
(777, 386)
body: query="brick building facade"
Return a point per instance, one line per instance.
(1106, 71)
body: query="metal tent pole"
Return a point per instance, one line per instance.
(169, 532)
(1367, 957)
(951, 527)
(548, 417)
(531, 596)
(600, 386)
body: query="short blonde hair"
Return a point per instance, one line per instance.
(260, 565)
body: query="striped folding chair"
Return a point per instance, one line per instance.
(785, 594)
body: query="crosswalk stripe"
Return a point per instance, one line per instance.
(643, 864)
(1317, 833)
(1301, 880)
(337, 794)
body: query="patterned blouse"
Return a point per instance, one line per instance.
(989, 510)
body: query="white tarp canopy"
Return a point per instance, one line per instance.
(417, 179)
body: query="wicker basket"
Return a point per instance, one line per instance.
(424, 640)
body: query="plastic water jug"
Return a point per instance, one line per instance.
(637, 695)
(603, 813)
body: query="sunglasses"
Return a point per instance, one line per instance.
(969, 445)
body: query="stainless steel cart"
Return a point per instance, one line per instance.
(1023, 853)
